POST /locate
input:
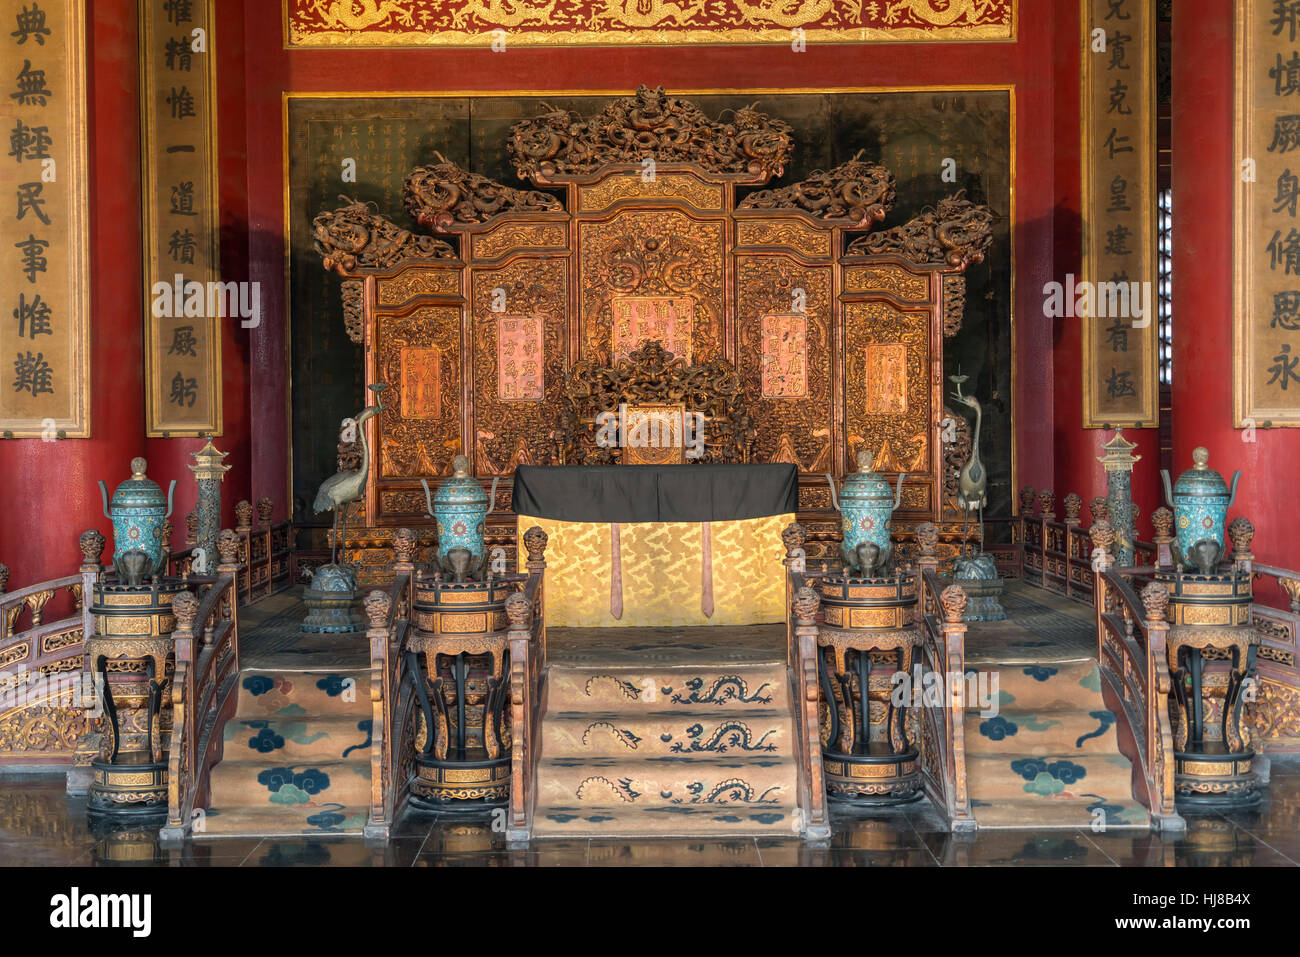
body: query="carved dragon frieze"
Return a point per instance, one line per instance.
(650, 124)
(444, 196)
(956, 232)
(354, 235)
(858, 192)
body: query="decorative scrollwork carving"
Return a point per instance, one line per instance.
(805, 603)
(377, 605)
(444, 195)
(355, 235)
(650, 123)
(1242, 533)
(792, 537)
(857, 192)
(957, 233)
(956, 452)
(953, 600)
(653, 376)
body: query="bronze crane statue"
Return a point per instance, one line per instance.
(346, 486)
(973, 480)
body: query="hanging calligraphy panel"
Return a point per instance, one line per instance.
(1266, 332)
(184, 300)
(424, 23)
(1115, 300)
(44, 265)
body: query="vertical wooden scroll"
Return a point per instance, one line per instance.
(1266, 316)
(44, 265)
(184, 301)
(1115, 299)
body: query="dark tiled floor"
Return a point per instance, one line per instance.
(42, 826)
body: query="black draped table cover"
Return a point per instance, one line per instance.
(655, 493)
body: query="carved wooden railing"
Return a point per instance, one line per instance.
(1275, 712)
(203, 687)
(42, 688)
(265, 554)
(943, 724)
(389, 613)
(526, 610)
(1136, 684)
(1058, 556)
(802, 602)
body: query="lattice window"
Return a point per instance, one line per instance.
(1165, 285)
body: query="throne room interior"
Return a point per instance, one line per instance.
(787, 432)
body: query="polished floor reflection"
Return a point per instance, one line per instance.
(41, 826)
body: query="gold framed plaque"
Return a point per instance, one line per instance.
(1115, 298)
(1266, 217)
(184, 301)
(44, 264)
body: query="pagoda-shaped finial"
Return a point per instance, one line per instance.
(1119, 455)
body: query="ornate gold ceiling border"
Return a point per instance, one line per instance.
(541, 23)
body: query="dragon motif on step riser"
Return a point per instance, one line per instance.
(732, 734)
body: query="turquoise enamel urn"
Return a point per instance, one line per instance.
(460, 508)
(866, 503)
(1200, 500)
(138, 510)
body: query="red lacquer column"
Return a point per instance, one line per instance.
(49, 487)
(1204, 171)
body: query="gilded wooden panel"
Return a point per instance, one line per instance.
(420, 435)
(511, 431)
(619, 187)
(795, 429)
(411, 283)
(791, 234)
(887, 385)
(651, 254)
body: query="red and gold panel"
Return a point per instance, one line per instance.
(521, 370)
(642, 319)
(518, 362)
(478, 23)
(419, 352)
(660, 269)
(887, 390)
(784, 358)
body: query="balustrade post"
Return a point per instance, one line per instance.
(378, 608)
(953, 601)
(927, 540)
(796, 560)
(1162, 521)
(535, 540)
(228, 567)
(519, 824)
(1046, 513)
(1073, 505)
(91, 544)
(404, 548)
(1155, 601)
(1103, 537)
(804, 605)
(1242, 533)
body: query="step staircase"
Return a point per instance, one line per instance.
(295, 756)
(1049, 757)
(667, 750)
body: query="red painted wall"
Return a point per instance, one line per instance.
(1203, 183)
(55, 483)
(49, 487)
(1038, 66)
